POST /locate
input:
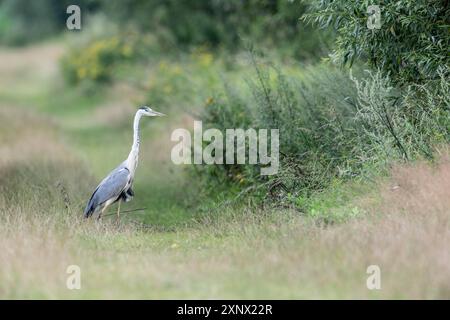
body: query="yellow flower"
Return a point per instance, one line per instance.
(209, 101)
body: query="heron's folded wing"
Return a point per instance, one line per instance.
(111, 187)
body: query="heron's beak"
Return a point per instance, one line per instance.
(157, 114)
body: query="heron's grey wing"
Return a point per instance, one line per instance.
(110, 188)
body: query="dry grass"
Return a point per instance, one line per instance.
(121, 107)
(30, 60)
(280, 255)
(25, 136)
(25, 72)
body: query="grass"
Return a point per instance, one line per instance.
(54, 151)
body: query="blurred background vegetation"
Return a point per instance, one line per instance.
(214, 24)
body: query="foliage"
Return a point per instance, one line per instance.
(411, 45)
(175, 82)
(334, 126)
(316, 133)
(226, 24)
(331, 126)
(177, 24)
(95, 62)
(404, 124)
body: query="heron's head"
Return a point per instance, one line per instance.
(147, 111)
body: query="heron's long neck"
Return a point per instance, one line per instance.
(134, 153)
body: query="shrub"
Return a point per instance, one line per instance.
(406, 123)
(332, 126)
(411, 45)
(313, 114)
(95, 62)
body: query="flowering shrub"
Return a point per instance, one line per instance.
(96, 61)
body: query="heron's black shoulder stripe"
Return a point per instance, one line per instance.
(125, 168)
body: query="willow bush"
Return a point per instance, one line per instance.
(410, 46)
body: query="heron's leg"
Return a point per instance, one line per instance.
(102, 210)
(100, 214)
(118, 210)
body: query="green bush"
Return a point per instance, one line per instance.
(411, 45)
(404, 124)
(313, 113)
(336, 127)
(223, 24)
(95, 62)
(332, 126)
(95, 54)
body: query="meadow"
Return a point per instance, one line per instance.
(364, 153)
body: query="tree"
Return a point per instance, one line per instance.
(411, 45)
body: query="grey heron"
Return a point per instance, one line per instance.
(117, 184)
